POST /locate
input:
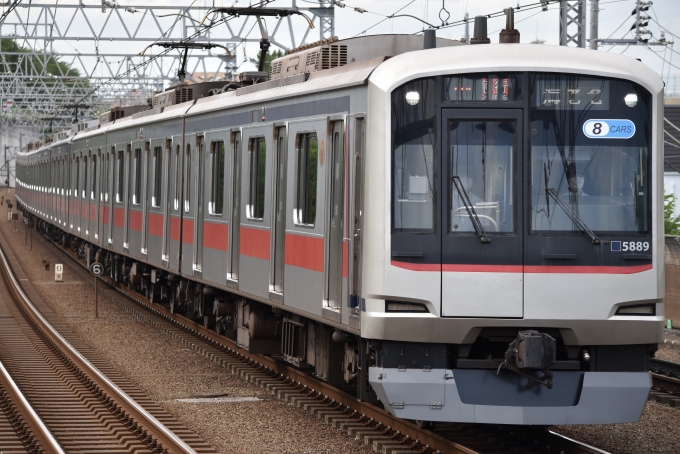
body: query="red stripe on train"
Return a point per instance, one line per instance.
(215, 236)
(174, 228)
(588, 269)
(304, 252)
(188, 231)
(135, 220)
(155, 227)
(118, 217)
(254, 243)
(524, 269)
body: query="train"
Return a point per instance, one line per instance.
(457, 232)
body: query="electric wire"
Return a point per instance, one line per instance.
(166, 51)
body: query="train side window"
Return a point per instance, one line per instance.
(187, 179)
(158, 174)
(217, 183)
(177, 180)
(307, 169)
(258, 162)
(137, 184)
(121, 175)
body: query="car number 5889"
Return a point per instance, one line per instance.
(634, 246)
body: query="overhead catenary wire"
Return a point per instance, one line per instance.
(165, 52)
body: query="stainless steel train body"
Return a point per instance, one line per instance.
(469, 233)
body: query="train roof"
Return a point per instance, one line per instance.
(387, 73)
(515, 58)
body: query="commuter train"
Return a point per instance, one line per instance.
(468, 233)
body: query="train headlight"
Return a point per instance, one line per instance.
(412, 97)
(645, 309)
(403, 306)
(631, 99)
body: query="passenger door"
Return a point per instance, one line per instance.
(235, 219)
(336, 216)
(215, 228)
(199, 198)
(481, 232)
(279, 224)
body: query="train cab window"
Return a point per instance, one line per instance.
(584, 168)
(258, 162)
(120, 176)
(137, 183)
(158, 176)
(187, 179)
(413, 158)
(304, 211)
(217, 180)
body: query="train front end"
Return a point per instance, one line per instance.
(513, 267)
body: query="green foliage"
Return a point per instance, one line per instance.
(671, 223)
(42, 61)
(268, 59)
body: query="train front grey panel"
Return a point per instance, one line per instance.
(603, 398)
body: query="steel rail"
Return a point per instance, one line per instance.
(159, 431)
(28, 414)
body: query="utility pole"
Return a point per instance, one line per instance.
(594, 18)
(572, 23)
(467, 28)
(641, 21)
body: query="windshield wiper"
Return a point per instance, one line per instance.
(476, 223)
(574, 217)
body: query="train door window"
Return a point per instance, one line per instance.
(137, 183)
(120, 175)
(217, 182)
(158, 175)
(307, 168)
(93, 192)
(85, 175)
(481, 158)
(187, 179)
(76, 180)
(177, 179)
(258, 162)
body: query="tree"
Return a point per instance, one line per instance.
(671, 223)
(268, 59)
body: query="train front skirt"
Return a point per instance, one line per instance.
(485, 396)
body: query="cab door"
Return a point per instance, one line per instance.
(481, 232)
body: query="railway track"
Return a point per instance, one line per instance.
(71, 390)
(21, 429)
(362, 420)
(665, 382)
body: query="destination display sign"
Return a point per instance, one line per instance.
(572, 94)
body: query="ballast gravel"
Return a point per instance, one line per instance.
(166, 370)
